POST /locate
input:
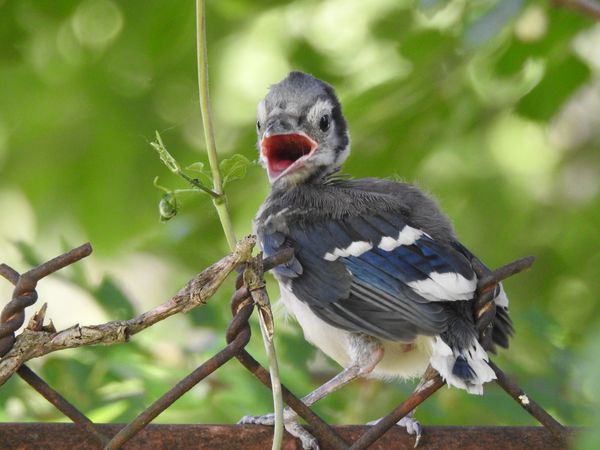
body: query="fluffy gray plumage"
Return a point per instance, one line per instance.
(372, 257)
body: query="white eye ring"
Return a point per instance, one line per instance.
(316, 113)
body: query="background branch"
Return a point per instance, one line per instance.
(587, 7)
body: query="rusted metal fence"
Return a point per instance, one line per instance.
(90, 435)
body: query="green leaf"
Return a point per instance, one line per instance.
(109, 412)
(562, 80)
(198, 166)
(28, 253)
(503, 91)
(79, 275)
(202, 175)
(113, 300)
(234, 168)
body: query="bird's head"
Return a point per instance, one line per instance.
(302, 134)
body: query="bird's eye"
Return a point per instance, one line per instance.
(324, 123)
(258, 125)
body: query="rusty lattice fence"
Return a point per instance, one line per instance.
(38, 339)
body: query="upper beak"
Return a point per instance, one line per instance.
(277, 126)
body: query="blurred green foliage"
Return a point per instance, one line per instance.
(491, 105)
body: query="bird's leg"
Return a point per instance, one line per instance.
(409, 422)
(366, 352)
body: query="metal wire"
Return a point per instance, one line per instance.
(252, 437)
(24, 294)
(320, 428)
(241, 329)
(60, 403)
(238, 336)
(13, 316)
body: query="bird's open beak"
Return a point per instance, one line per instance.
(285, 153)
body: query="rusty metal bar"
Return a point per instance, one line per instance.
(321, 429)
(278, 258)
(238, 335)
(24, 295)
(240, 322)
(59, 262)
(506, 271)
(528, 404)
(13, 316)
(488, 279)
(60, 403)
(26, 436)
(433, 381)
(426, 389)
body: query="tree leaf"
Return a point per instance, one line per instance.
(113, 300)
(78, 273)
(561, 79)
(234, 168)
(201, 173)
(198, 166)
(28, 253)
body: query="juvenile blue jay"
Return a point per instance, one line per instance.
(379, 281)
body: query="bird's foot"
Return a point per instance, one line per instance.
(411, 425)
(309, 442)
(267, 419)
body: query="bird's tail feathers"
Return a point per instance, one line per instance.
(465, 368)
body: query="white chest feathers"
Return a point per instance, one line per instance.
(400, 360)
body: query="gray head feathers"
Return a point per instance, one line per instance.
(302, 134)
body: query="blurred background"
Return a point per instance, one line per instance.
(493, 106)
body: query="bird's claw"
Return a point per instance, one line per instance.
(309, 442)
(411, 424)
(412, 427)
(267, 419)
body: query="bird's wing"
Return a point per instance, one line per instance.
(502, 329)
(374, 274)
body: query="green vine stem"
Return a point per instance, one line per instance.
(220, 203)
(209, 134)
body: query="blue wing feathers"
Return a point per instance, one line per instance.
(444, 258)
(403, 262)
(365, 230)
(369, 292)
(372, 275)
(273, 242)
(384, 227)
(411, 312)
